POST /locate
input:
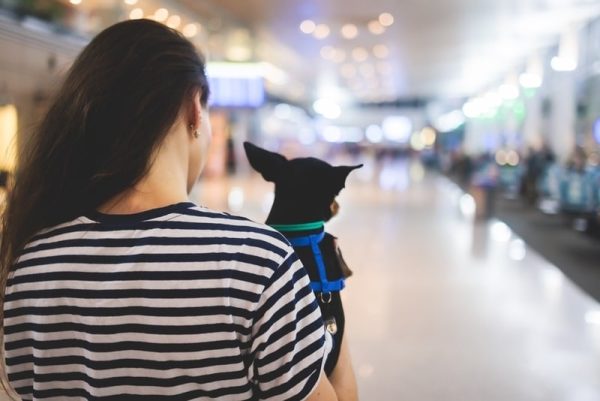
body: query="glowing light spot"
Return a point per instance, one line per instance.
(517, 250)
(174, 21)
(349, 31)
(530, 80)
(136, 13)
(360, 54)
(381, 51)
(374, 133)
(375, 27)
(321, 31)
(161, 14)
(190, 30)
(467, 205)
(386, 19)
(593, 317)
(235, 200)
(500, 232)
(308, 26)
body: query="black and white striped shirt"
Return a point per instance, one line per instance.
(177, 303)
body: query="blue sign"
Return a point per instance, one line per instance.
(236, 92)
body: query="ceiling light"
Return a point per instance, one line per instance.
(367, 70)
(308, 26)
(360, 54)
(508, 91)
(274, 74)
(472, 109)
(493, 99)
(283, 111)
(349, 31)
(397, 128)
(339, 56)
(568, 51)
(386, 19)
(428, 136)
(131, 2)
(190, 30)
(374, 133)
(238, 53)
(332, 134)
(563, 64)
(321, 31)
(75, 2)
(384, 68)
(136, 13)
(348, 71)
(327, 52)
(174, 21)
(416, 141)
(327, 108)
(530, 80)
(161, 14)
(376, 28)
(449, 121)
(381, 51)
(372, 83)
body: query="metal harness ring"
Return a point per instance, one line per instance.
(323, 299)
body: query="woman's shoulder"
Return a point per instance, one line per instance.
(227, 223)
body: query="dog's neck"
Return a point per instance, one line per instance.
(286, 211)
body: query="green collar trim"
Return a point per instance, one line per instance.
(299, 227)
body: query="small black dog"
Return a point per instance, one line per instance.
(305, 191)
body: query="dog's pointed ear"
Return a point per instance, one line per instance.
(340, 175)
(270, 164)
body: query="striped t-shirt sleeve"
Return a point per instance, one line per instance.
(288, 345)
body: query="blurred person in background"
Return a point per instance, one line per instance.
(116, 287)
(578, 160)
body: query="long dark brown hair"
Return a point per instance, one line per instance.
(118, 101)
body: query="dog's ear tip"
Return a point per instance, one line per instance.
(351, 168)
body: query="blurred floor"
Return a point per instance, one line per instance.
(441, 308)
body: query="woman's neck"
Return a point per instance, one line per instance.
(164, 184)
(137, 200)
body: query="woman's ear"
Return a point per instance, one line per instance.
(194, 111)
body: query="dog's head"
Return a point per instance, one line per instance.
(305, 188)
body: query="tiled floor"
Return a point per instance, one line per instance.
(442, 308)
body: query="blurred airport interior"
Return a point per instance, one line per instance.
(474, 226)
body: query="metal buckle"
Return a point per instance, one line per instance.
(323, 299)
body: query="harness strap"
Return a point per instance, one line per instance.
(323, 285)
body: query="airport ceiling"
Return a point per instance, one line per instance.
(430, 48)
(436, 48)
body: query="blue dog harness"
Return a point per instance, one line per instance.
(323, 286)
